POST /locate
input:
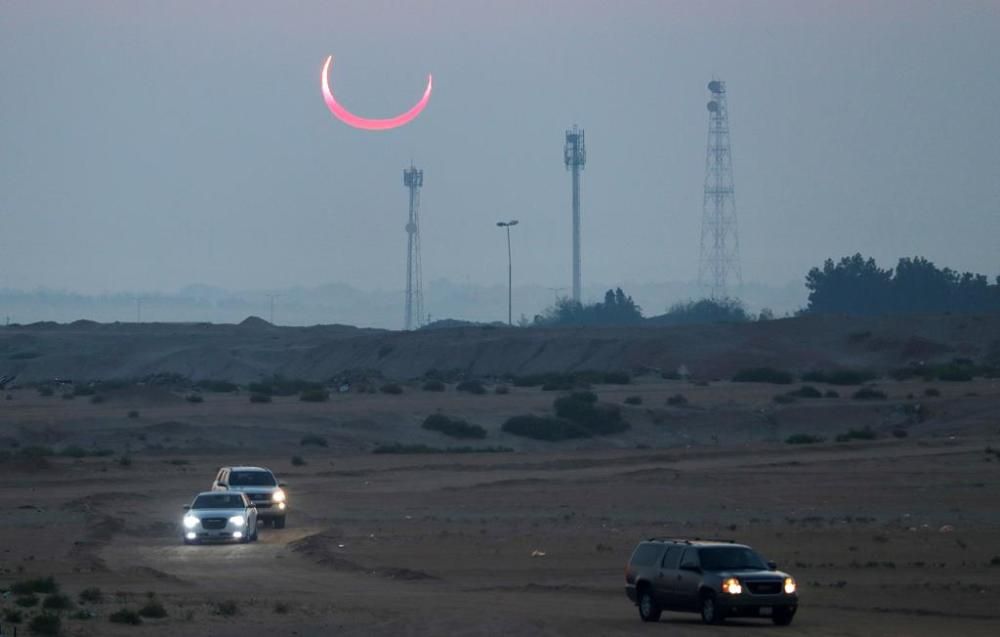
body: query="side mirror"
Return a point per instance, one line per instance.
(773, 566)
(187, 507)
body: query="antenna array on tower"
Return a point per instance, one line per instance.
(575, 157)
(413, 179)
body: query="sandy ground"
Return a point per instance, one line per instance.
(887, 537)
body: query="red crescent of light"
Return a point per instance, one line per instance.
(365, 123)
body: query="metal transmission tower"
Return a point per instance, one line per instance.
(720, 243)
(575, 157)
(414, 180)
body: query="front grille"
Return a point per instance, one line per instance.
(260, 496)
(213, 523)
(764, 588)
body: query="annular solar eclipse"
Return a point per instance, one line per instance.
(366, 123)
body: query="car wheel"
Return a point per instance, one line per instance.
(710, 611)
(279, 523)
(649, 610)
(782, 615)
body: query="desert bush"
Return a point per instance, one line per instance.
(932, 392)
(195, 398)
(434, 385)
(616, 378)
(471, 387)
(393, 389)
(12, 616)
(784, 399)
(763, 375)
(260, 398)
(298, 461)
(36, 451)
(869, 393)
(45, 624)
(831, 394)
(840, 376)
(125, 616)
(995, 561)
(68, 395)
(857, 434)
(453, 427)
(633, 400)
(955, 373)
(677, 400)
(27, 601)
(228, 608)
(153, 609)
(802, 439)
(46, 391)
(97, 399)
(281, 608)
(73, 451)
(125, 461)
(83, 390)
(133, 414)
(806, 391)
(501, 390)
(582, 408)
(400, 448)
(544, 428)
(314, 395)
(217, 386)
(313, 439)
(91, 596)
(899, 432)
(57, 601)
(43, 585)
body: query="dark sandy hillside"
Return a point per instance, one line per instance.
(90, 351)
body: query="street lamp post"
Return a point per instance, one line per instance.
(510, 273)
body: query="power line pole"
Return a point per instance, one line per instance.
(272, 297)
(510, 271)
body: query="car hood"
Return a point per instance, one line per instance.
(215, 513)
(754, 574)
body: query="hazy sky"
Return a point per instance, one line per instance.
(149, 145)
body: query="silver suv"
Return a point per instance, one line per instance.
(214, 516)
(260, 485)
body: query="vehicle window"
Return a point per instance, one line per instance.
(690, 558)
(251, 479)
(646, 554)
(219, 501)
(672, 558)
(731, 558)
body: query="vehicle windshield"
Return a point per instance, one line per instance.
(730, 558)
(218, 501)
(251, 479)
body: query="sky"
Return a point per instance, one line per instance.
(153, 145)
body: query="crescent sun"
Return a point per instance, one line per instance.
(365, 123)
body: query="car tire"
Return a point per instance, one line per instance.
(782, 615)
(649, 610)
(279, 523)
(710, 611)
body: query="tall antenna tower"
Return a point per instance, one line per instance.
(720, 243)
(575, 157)
(414, 180)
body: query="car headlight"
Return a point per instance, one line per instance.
(732, 586)
(278, 495)
(790, 587)
(237, 520)
(190, 521)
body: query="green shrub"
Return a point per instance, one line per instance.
(281, 608)
(57, 601)
(677, 400)
(400, 448)
(91, 596)
(802, 439)
(217, 386)
(434, 385)
(633, 400)
(544, 428)
(313, 439)
(857, 434)
(73, 451)
(133, 414)
(616, 378)
(899, 432)
(125, 461)
(393, 389)
(153, 610)
(12, 616)
(43, 585)
(869, 393)
(784, 399)
(955, 373)
(97, 399)
(932, 392)
(46, 391)
(228, 608)
(195, 398)
(45, 624)
(501, 390)
(125, 616)
(36, 451)
(298, 461)
(471, 387)
(455, 428)
(27, 601)
(840, 376)
(830, 394)
(314, 395)
(260, 398)
(806, 391)
(763, 375)
(83, 390)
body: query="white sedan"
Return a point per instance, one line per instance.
(215, 516)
